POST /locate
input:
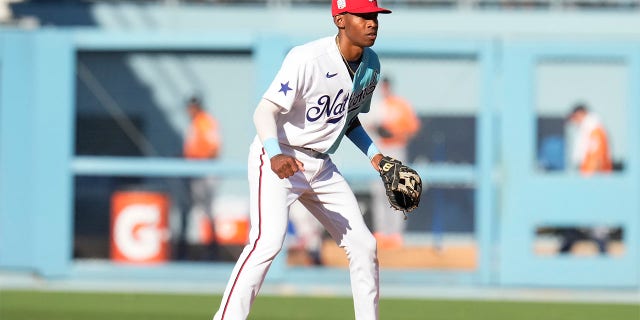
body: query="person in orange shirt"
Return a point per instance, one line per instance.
(396, 123)
(591, 145)
(590, 155)
(202, 142)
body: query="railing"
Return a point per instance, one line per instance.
(169, 167)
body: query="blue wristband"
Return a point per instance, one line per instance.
(372, 150)
(271, 147)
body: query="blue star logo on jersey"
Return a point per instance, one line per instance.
(284, 87)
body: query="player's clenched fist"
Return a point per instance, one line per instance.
(285, 166)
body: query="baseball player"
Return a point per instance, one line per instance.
(312, 103)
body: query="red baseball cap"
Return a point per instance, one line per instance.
(356, 6)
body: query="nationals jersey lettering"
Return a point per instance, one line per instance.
(362, 95)
(332, 111)
(318, 98)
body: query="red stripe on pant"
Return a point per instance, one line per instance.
(255, 243)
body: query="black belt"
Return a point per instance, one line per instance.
(310, 152)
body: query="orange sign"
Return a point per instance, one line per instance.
(232, 230)
(139, 227)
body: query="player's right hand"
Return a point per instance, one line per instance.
(285, 166)
(375, 161)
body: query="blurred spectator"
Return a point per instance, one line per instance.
(591, 144)
(203, 139)
(590, 154)
(202, 142)
(393, 123)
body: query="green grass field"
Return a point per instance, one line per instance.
(37, 305)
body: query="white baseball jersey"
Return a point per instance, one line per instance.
(317, 95)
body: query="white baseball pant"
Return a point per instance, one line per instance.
(322, 189)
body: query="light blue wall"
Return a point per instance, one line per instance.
(532, 198)
(36, 113)
(35, 195)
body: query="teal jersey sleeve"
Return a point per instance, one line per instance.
(364, 83)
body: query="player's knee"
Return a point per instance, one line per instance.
(365, 248)
(264, 249)
(371, 245)
(271, 249)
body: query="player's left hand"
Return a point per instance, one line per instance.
(285, 166)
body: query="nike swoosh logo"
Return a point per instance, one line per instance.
(331, 75)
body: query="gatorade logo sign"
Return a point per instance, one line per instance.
(139, 229)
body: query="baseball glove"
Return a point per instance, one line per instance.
(402, 184)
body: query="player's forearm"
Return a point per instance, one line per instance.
(361, 139)
(264, 119)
